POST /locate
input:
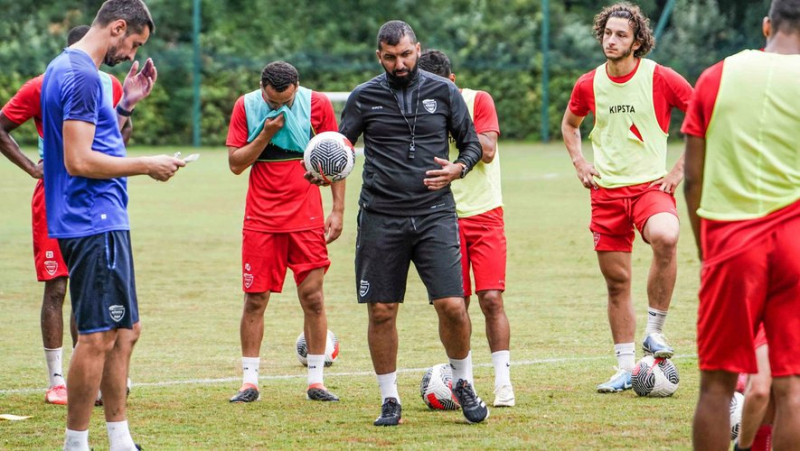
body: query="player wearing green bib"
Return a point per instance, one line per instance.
(743, 193)
(631, 98)
(479, 206)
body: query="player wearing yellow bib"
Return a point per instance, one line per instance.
(743, 193)
(631, 98)
(479, 205)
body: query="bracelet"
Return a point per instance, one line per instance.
(123, 112)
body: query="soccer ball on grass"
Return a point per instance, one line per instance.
(657, 378)
(436, 388)
(331, 349)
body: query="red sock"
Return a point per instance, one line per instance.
(763, 439)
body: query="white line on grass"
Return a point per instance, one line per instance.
(346, 374)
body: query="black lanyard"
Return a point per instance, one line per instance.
(411, 128)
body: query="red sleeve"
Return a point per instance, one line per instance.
(116, 88)
(676, 90)
(26, 103)
(485, 114)
(581, 102)
(323, 119)
(702, 104)
(237, 130)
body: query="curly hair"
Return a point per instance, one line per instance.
(640, 24)
(280, 75)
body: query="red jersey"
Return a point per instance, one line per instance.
(698, 116)
(26, 102)
(279, 199)
(670, 90)
(485, 114)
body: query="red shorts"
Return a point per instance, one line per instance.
(761, 337)
(750, 274)
(616, 211)
(266, 255)
(483, 245)
(46, 253)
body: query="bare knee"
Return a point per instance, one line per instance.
(452, 309)
(491, 303)
(618, 286)
(55, 291)
(382, 314)
(664, 243)
(255, 303)
(313, 302)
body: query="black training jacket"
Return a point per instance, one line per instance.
(392, 179)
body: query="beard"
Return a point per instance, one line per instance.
(402, 80)
(112, 58)
(624, 54)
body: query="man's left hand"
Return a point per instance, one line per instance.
(333, 226)
(439, 178)
(139, 85)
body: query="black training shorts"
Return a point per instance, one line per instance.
(101, 281)
(387, 244)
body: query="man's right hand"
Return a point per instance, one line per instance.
(163, 167)
(273, 126)
(586, 173)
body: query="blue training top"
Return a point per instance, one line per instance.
(79, 206)
(108, 89)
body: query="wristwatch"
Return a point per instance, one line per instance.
(463, 169)
(123, 112)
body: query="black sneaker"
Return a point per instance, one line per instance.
(248, 393)
(474, 408)
(318, 392)
(390, 413)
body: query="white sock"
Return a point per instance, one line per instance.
(502, 368)
(119, 436)
(76, 440)
(55, 370)
(316, 363)
(655, 321)
(626, 355)
(388, 385)
(250, 370)
(462, 369)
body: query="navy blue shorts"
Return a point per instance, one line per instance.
(386, 245)
(101, 281)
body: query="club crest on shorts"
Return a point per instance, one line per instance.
(596, 239)
(363, 288)
(51, 267)
(430, 105)
(248, 280)
(117, 312)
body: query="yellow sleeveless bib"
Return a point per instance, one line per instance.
(752, 164)
(480, 191)
(621, 158)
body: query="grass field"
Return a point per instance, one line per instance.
(186, 237)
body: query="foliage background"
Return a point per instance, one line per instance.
(494, 46)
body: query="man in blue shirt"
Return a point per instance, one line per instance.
(85, 169)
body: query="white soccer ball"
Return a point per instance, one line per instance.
(330, 156)
(657, 378)
(331, 349)
(436, 388)
(737, 403)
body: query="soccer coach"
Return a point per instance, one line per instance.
(407, 212)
